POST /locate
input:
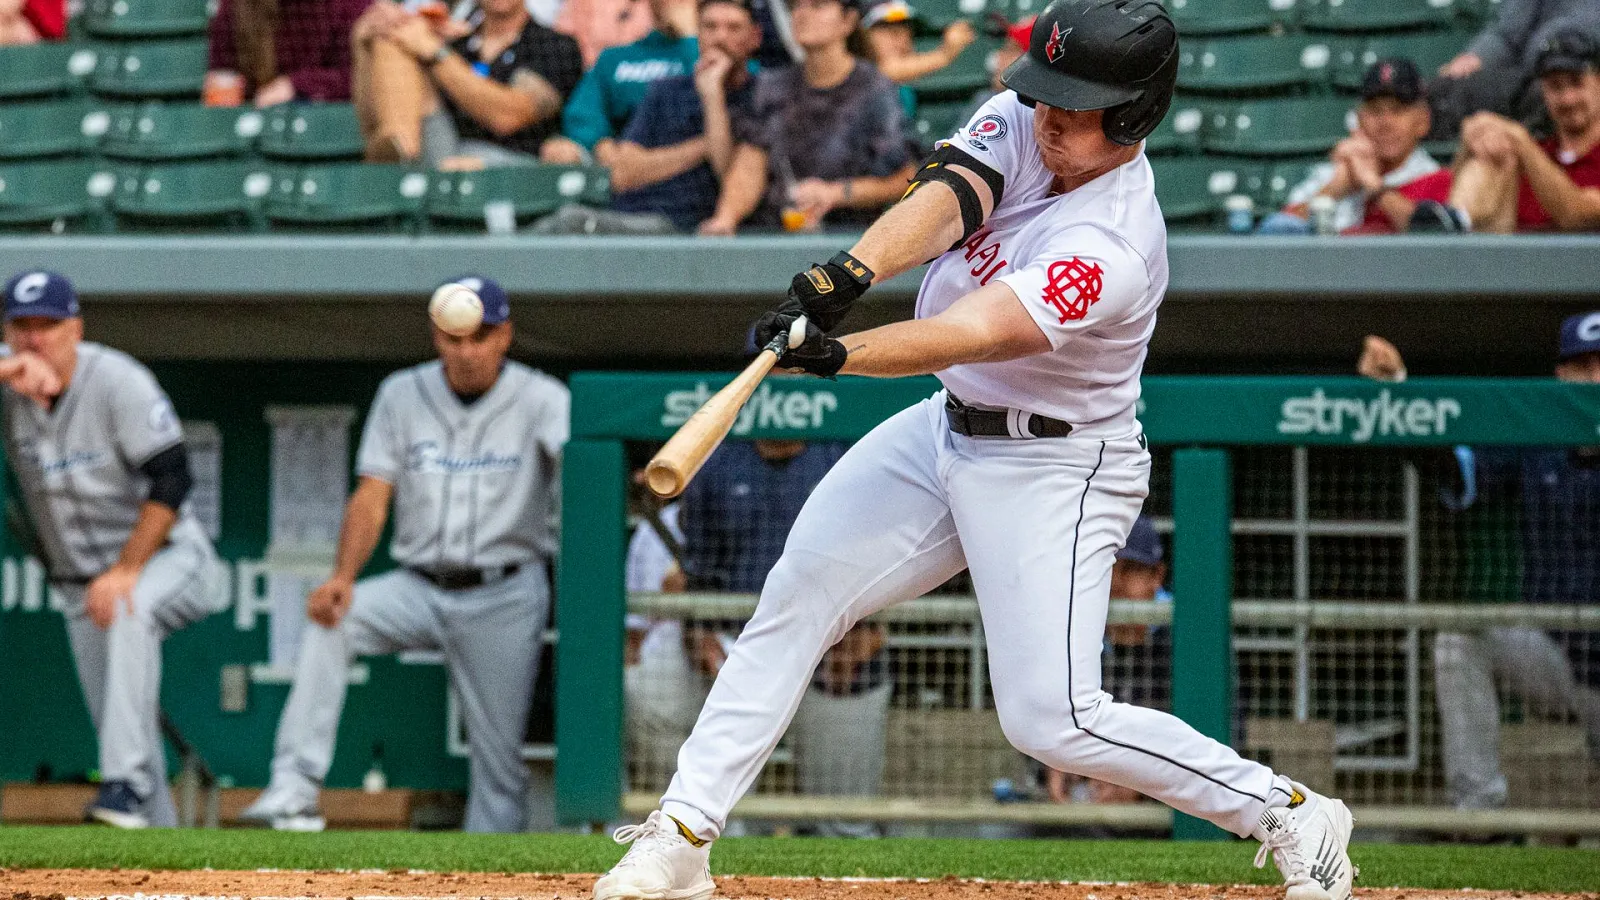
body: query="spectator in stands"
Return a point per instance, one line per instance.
(1367, 173)
(286, 49)
(890, 27)
(826, 146)
(1555, 672)
(599, 24)
(668, 165)
(32, 21)
(489, 96)
(1507, 180)
(1497, 71)
(1137, 658)
(600, 107)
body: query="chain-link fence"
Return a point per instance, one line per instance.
(1412, 628)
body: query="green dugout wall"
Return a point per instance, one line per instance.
(1200, 416)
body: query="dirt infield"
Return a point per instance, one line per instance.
(64, 884)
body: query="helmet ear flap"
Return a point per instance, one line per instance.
(1129, 123)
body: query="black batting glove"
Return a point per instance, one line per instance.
(823, 294)
(817, 355)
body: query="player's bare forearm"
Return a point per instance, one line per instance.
(364, 515)
(915, 230)
(987, 325)
(149, 533)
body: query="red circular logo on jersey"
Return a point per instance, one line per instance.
(988, 128)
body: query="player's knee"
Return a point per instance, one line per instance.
(1451, 649)
(1050, 727)
(799, 595)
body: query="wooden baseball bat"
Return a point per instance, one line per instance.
(671, 469)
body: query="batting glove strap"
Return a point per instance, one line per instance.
(824, 293)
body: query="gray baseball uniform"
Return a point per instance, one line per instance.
(475, 493)
(78, 467)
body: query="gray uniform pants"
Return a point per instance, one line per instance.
(1465, 665)
(490, 637)
(119, 667)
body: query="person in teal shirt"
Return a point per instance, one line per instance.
(603, 101)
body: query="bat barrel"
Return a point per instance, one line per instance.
(664, 479)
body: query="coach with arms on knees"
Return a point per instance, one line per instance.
(99, 456)
(468, 448)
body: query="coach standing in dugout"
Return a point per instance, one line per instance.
(468, 448)
(99, 457)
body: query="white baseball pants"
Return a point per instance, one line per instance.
(1037, 522)
(119, 667)
(490, 636)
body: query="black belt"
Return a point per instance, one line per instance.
(1012, 423)
(464, 579)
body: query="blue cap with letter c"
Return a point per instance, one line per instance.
(1580, 334)
(496, 305)
(40, 293)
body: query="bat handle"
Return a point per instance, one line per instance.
(782, 342)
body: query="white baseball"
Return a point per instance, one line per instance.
(456, 309)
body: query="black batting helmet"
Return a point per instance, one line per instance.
(1117, 55)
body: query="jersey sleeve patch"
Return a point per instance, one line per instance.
(1071, 287)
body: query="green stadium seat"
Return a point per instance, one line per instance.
(38, 70)
(1280, 179)
(145, 18)
(155, 69)
(1182, 187)
(1253, 64)
(1209, 17)
(151, 131)
(1375, 15)
(347, 195)
(936, 121)
(1293, 126)
(959, 80)
(311, 131)
(1428, 49)
(207, 194)
(52, 194)
(460, 198)
(1179, 131)
(936, 14)
(46, 128)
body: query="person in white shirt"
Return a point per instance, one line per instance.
(1028, 469)
(1365, 171)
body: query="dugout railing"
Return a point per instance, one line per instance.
(1313, 568)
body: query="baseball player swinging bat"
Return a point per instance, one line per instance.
(675, 465)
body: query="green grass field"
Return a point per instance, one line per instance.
(1515, 868)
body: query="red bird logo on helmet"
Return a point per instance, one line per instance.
(1054, 48)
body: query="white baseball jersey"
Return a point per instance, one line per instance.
(1090, 267)
(475, 485)
(78, 463)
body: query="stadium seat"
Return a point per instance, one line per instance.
(311, 131)
(156, 69)
(936, 121)
(461, 198)
(936, 14)
(51, 194)
(1208, 17)
(1428, 49)
(1280, 179)
(145, 18)
(46, 128)
(1293, 126)
(1375, 15)
(347, 195)
(1182, 187)
(1179, 131)
(151, 131)
(957, 81)
(38, 70)
(206, 194)
(1253, 64)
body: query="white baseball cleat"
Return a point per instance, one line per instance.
(662, 864)
(1309, 839)
(286, 808)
